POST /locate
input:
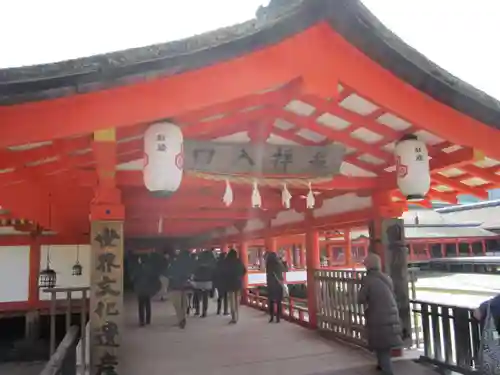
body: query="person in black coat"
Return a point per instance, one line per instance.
(203, 280)
(233, 272)
(219, 285)
(146, 284)
(275, 270)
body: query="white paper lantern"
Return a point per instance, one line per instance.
(412, 168)
(163, 158)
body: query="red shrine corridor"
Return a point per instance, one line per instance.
(212, 347)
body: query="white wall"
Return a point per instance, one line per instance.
(14, 273)
(62, 259)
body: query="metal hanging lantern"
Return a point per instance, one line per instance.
(77, 267)
(48, 277)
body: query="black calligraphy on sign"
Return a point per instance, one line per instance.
(107, 335)
(282, 158)
(104, 309)
(160, 145)
(106, 287)
(419, 156)
(203, 156)
(318, 161)
(244, 155)
(106, 262)
(107, 237)
(107, 364)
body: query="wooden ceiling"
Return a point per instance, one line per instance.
(67, 167)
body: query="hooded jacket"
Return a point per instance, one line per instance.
(180, 271)
(383, 326)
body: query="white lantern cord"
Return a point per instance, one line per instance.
(228, 194)
(285, 197)
(256, 198)
(310, 200)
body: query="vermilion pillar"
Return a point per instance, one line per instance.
(348, 248)
(270, 244)
(303, 250)
(289, 256)
(300, 255)
(244, 259)
(313, 263)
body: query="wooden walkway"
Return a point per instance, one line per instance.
(211, 346)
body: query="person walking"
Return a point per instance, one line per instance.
(179, 273)
(203, 280)
(192, 298)
(275, 278)
(161, 261)
(383, 326)
(232, 274)
(219, 285)
(146, 282)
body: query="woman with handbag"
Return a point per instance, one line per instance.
(493, 307)
(233, 271)
(276, 287)
(488, 314)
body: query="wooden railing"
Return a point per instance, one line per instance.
(63, 361)
(339, 313)
(293, 309)
(69, 305)
(449, 336)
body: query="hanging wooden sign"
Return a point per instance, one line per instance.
(263, 159)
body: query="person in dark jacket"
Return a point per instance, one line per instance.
(383, 326)
(493, 304)
(233, 273)
(275, 270)
(219, 285)
(179, 273)
(203, 280)
(146, 283)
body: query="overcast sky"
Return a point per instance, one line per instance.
(459, 35)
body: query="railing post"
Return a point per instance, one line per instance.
(53, 312)
(413, 291)
(68, 310)
(83, 331)
(462, 337)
